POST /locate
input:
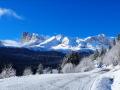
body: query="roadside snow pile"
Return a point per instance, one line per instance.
(109, 80)
(116, 84)
(103, 83)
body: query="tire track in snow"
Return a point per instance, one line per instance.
(89, 83)
(77, 79)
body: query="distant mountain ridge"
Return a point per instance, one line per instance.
(60, 42)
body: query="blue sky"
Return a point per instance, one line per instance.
(69, 17)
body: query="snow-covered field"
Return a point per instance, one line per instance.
(97, 79)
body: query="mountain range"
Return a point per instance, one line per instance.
(60, 42)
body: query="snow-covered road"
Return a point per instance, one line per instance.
(74, 81)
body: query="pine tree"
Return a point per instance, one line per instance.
(103, 51)
(27, 71)
(40, 69)
(8, 71)
(70, 61)
(118, 37)
(95, 55)
(73, 58)
(68, 68)
(114, 42)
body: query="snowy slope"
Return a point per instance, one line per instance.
(10, 43)
(93, 80)
(52, 41)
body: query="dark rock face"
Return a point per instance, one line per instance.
(26, 37)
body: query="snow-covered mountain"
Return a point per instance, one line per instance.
(60, 42)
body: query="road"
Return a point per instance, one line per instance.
(73, 81)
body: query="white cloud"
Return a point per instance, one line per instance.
(9, 12)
